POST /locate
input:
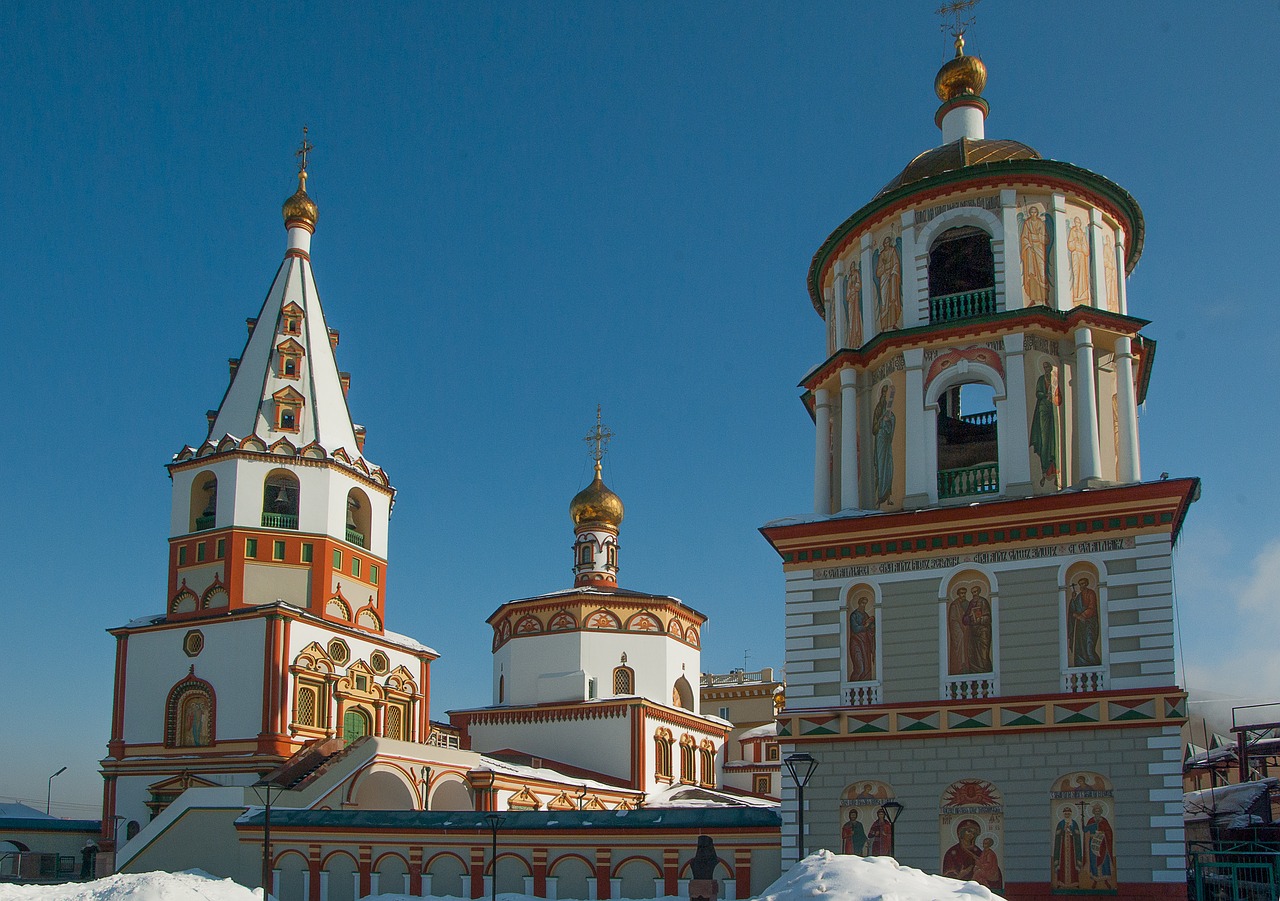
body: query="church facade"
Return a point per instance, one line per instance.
(979, 611)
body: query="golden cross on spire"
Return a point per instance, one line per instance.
(598, 437)
(302, 151)
(958, 9)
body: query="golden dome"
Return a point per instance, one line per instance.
(596, 504)
(961, 75)
(300, 207)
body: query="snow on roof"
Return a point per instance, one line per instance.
(1232, 801)
(405, 641)
(493, 764)
(766, 730)
(686, 796)
(845, 877)
(192, 885)
(16, 811)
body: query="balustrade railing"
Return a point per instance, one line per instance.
(204, 522)
(1080, 680)
(969, 688)
(355, 537)
(984, 479)
(280, 520)
(949, 307)
(987, 418)
(864, 695)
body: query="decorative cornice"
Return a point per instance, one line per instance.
(1096, 189)
(1033, 713)
(366, 478)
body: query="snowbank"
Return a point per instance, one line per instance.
(192, 885)
(843, 877)
(833, 877)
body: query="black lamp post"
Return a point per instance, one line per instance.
(48, 800)
(801, 767)
(266, 787)
(494, 822)
(892, 810)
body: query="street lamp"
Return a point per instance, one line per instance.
(266, 786)
(495, 821)
(48, 800)
(801, 767)
(892, 810)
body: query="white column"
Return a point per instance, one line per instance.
(1086, 403)
(1097, 269)
(374, 880)
(275, 883)
(615, 888)
(324, 885)
(912, 291)
(839, 305)
(1014, 298)
(848, 439)
(1129, 466)
(1121, 277)
(306, 883)
(822, 452)
(868, 291)
(1061, 258)
(921, 484)
(1014, 434)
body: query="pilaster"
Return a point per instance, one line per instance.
(1088, 466)
(918, 491)
(1128, 466)
(822, 452)
(1014, 298)
(848, 439)
(1097, 268)
(1121, 273)
(914, 277)
(1061, 258)
(839, 305)
(868, 290)
(1015, 454)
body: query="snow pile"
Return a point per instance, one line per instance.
(192, 885)
(844, 877)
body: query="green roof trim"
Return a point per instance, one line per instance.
(524, 820)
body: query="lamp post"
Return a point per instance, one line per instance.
(265, 793)
(48, 800)
(494, 821)
(801, 767)
(892, 810)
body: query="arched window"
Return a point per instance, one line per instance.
(307, 708)
(359, 517)
(688, 759)
(189, 714)
(662, 754)
(280, 500)
(968, 446)
(707, 759)
(355, 724)
(586, 554)
(624, 680)
(204, 501)
(961, 262)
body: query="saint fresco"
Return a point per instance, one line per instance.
(971, 829)
(1083, 859)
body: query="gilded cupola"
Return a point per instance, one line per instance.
(960, 76)
(299, 208)
(596, 505)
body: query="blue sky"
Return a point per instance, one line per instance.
(527, 209)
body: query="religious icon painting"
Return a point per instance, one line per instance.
(853, 307)
(862, 621)
(1083, 617)
(864, 829)
(884, 425)
(970, 620)
(1046, 423)
(971, 832)
(1082, 814)
(1035, 231)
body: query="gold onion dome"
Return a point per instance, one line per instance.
(596, 504)
(960, 76)
(300, 207)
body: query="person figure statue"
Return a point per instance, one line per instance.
(987, 870)
(862, 644)
(1044, 425)
(889, 272)
(703, 886)
(1035, 246)
(883, 424)
(961, 859)
(1100, 844)
(1067, 851)
(1083, 628)
(880, 838)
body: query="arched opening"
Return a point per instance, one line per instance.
(682, 694)
(572, 877)
(638, 878)
(393, 875)
(451, 794)
(359, 517)
(355, 724)
(190, 715)
(384, 790)
(204, 502)
(968, 457)
(624, 681)
(280, 500)
(344, 874)
(962, 274)
(443, 876)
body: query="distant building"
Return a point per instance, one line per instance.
(751, 761)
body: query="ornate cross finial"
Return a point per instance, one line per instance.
(303, 150)
(957, 9)
(598, 437)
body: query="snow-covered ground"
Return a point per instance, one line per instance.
(834, 877)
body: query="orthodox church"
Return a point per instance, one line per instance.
(268, 718)
(979, 610)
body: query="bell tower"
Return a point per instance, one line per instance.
(983, 587)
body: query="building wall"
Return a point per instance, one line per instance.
(601, 745)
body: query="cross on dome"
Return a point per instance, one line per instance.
(302, 151)
(957, 10)
(598, 437)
